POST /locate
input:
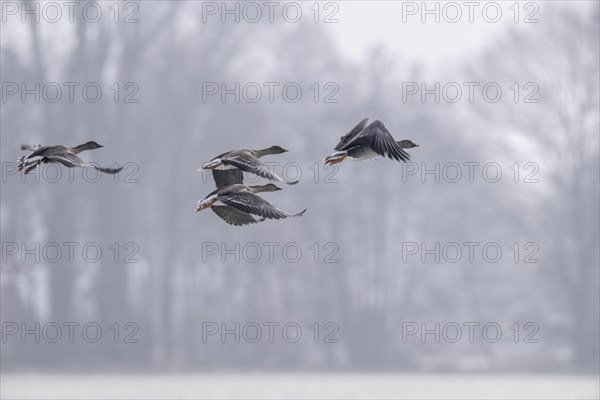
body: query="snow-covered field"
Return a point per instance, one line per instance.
(330, 386)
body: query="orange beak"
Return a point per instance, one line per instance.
(211, 165)
(204, 206)
(335, 160)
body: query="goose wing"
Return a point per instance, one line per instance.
(69, 159)
(36, 156)
(46, 151)
(378, 138)
(226, 177)
(233, 216)
(350, 135)
(38, 153)
(249, 163)
(254, 204)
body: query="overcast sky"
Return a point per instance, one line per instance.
(399, 27)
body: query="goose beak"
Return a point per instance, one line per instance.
(206, 203)
(211, 164)
(334, 159)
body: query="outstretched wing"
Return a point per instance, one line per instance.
(254, 204)
(33, 159)
(350, 135)
(233, 216)
(67, 159)
(46, 151)
(378, 138)
(37, 154)
(72, 160)
(249, 163)
(226, 177)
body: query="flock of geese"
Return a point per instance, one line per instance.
(238, 204)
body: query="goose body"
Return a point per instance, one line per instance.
(67, 156)
(364, 142)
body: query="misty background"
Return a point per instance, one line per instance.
(364, 217)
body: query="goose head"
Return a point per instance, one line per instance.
(407, 144)
(269, 187)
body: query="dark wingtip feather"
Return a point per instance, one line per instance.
(301, 213)
(109, 170)
(398, 154)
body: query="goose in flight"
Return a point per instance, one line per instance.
(64, 155)
(229, 214)
(364, 142)
(236, 204)
(236, 161)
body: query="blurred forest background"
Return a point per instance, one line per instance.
(368, 213)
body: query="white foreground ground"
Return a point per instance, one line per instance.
(328, 386)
